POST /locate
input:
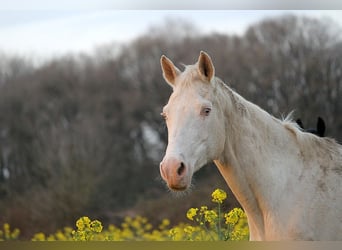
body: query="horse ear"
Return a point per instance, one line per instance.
(170, 71)
(320, 127)
(299, 122)
(205, 66)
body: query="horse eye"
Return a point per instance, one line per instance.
(205, 111)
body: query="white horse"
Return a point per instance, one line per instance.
(288, 182)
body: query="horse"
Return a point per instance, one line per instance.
(287, 181)
(319, 130)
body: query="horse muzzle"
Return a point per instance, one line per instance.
(175, 173)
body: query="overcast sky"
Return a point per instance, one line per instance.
(48, 31)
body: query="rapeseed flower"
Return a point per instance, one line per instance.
(96, 226)
(234, 216)
(210, 216)
(83, 223)
(7, 234)
(212, 224)
(192, 212)
(165, 223)
(86, 229)
(189, 231)
(39, 237)
(219, 196)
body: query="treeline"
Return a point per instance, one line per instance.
(82, 134)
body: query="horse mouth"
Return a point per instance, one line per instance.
(177, 187)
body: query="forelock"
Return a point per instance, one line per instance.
(188, 76)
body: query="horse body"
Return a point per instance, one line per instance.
(287, 181)
(284, 188)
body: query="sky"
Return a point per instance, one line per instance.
(48, 30)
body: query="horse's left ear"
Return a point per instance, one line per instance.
(205, 66)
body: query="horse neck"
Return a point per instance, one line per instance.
(254, 142)
(251, 133)
(249, 127)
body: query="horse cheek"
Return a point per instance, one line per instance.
(215, 140)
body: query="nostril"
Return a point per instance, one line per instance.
(181, 169)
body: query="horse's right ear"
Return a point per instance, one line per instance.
(170, 71)
(205, 66)
(320, 127)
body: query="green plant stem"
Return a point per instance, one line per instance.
(219, 221)
(201, 219)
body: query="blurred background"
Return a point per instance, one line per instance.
(81, 94)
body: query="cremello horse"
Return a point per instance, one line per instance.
(288, 182)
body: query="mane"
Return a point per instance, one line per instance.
(286, 121)
(289, 123)
(236, 99)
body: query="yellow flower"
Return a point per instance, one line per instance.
(203, 209)
(164, 224)
(234, 216)
(39, 237)
(7, 234)
(60, 236)
(219, 196)
(7, 229)
(128, 219)
(191, 213)
(83, 223)
(210, 216)
(148, 227)
(96, 226)
(189, 230)
(51, 238)
(143, 220)
(82, 236)
(208, 227)
(239, 234)
(136, 223)
(173, 232)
